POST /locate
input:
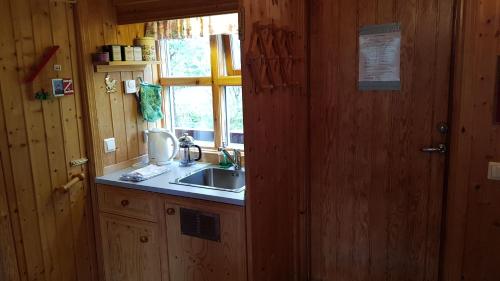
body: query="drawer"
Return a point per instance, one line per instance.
(131, 203)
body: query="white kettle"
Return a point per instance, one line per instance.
(163, 146)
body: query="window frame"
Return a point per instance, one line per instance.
(222, 75)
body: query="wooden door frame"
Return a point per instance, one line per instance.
(456, 192)
(89, 107)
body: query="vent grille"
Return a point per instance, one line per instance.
(200, 224)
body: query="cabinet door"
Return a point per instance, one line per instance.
(192, 259)
(131, 249)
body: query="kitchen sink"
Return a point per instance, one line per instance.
(216, 178)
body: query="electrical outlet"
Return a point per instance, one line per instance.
(109, 145)
(57, 67)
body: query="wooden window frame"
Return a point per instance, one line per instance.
(223, 75)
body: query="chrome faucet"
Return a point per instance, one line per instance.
(235, 159)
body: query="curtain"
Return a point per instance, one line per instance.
(193, 27)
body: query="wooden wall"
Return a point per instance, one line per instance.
(276, 152)
(472, 244)
(132, 11)
(44, 234)
(117, 113)
(109, 115)
(112, 115)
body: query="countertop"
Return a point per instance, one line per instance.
(162, 184)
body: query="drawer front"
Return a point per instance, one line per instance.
(131, 203)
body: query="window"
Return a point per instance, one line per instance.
(234, 115)
(202, 81)
(192, 112)
(188, 57)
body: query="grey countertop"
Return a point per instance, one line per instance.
(162, 184)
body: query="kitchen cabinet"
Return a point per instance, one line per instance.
(131, 249)
(151, 237)
(194, 258)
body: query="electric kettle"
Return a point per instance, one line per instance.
(185, 144)
(162, 146)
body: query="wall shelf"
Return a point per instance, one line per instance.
(119, 66)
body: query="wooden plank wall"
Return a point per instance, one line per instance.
(276, 145)
(45, 235)
(109, 115)
(117, 113)
(132, 11)
(472, 244)
(112, 115)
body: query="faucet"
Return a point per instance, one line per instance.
(235, 159)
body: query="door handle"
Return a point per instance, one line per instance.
(76, 179)
(441, 148)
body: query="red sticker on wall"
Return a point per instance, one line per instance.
(68, 87)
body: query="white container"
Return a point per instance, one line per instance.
(162, 146)
(138, 53)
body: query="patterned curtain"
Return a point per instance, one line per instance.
(193, 27)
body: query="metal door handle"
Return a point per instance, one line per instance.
(441, 148)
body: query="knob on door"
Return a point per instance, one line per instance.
(441, 148)
(144, 239)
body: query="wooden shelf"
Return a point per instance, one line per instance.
(119, 66)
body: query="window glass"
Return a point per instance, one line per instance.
(188, 57)
(192, 112)
(234, 116)
(236, 52)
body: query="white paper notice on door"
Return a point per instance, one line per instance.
(380, 58)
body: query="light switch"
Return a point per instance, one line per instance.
(109, 145)
(494, 171)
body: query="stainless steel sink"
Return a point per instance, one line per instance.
(215, 178)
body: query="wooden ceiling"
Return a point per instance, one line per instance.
(136, 11)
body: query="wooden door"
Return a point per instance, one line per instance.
(376, 199)
(131, 249)
(49, 234)
(196, 259)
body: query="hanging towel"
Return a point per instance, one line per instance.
(151, 102)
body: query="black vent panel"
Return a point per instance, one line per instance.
(200, 224)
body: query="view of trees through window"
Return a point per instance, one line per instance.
(234, 104)
(193, 112)
(188, 57)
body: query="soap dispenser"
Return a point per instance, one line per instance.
(223, 161)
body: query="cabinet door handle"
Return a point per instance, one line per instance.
(144, 239)
(170, 211)
(125, 203)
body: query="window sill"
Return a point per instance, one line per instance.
(211, 155)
